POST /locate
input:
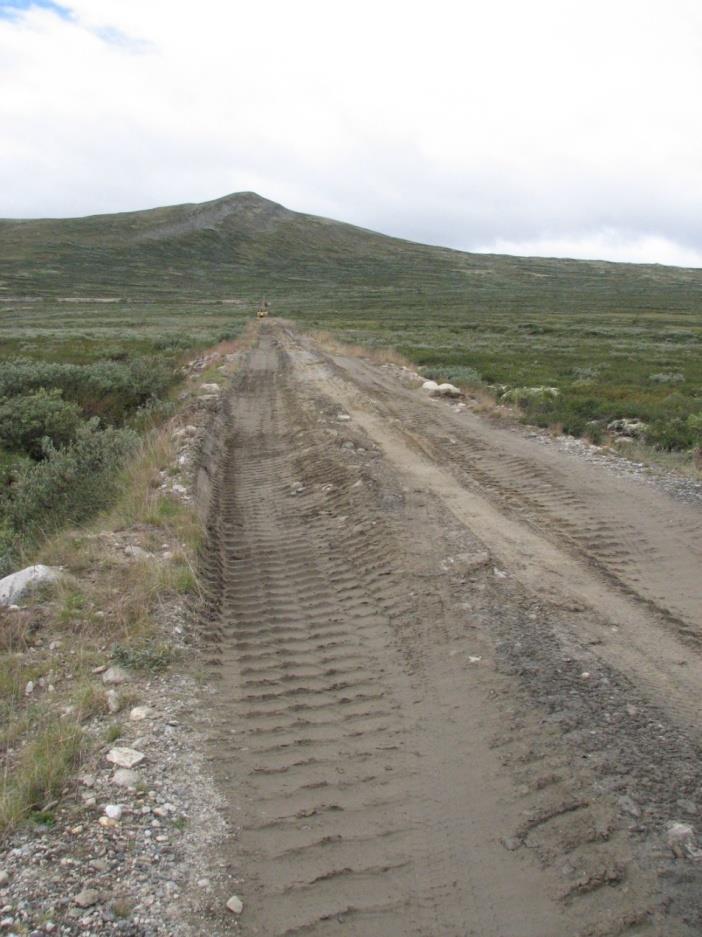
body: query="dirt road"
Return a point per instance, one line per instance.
(458, 674)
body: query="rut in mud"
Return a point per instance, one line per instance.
(401, 727)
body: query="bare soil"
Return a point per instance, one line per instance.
(456, 672)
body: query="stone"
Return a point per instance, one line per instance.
(446, 390)
(209, 389)
(4, 877)
(113, 701)
(136, 552)
(86, 898)
(125, 757)
(29, 688)
(137, 713)
(14, 586)
(630, 428)
(681, 839)
(115, 675)
(113, 811)
(235, 904)
(430, 385)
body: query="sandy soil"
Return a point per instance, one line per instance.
(457, 673)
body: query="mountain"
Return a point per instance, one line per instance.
(244, 245)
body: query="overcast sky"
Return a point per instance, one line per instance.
(554, 127)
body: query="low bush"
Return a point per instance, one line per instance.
(456, 374)
(68, 486)
(26, 420)
(671, 434)
(110, 389)
(667, 377)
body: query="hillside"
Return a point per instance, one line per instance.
(616, 340)
(243, 243)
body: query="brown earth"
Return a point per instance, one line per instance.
(457, 672)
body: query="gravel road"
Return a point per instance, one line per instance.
(456, 672)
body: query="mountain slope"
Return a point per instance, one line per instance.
(244, 245)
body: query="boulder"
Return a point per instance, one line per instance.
(115, 675)
(124, 757)
(628, 428)
(441, 390)
(447, 390)
(136, 552)
(14, 586)
(682, 842)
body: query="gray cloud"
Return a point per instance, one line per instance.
(553, 127)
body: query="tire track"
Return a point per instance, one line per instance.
(356, 751)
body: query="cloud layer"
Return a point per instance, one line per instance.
(554, 127)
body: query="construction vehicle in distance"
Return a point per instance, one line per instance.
(263, 308)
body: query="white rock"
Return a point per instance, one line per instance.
(5, 877)
(681, 839)
(137, 713)
(136, 552)
(125, 777)
(210, 389)
(344, 417)
(113, 811)
(430, 385)
(125, 757)
(115, 675)
(14, 586)
(235, 904)
(446, 390)
(29, 689)
(113, 701)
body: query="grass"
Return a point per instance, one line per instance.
(41, 771)
(105, 608)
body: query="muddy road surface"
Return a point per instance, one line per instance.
(457, 673)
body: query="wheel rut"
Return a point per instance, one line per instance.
(372, 773)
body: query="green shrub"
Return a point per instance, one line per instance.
(70, 484)
(530, 397)
(694, 424)
(456, 374)
(26, 420)
(110, 389)
(667, 377)
(670, 434)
